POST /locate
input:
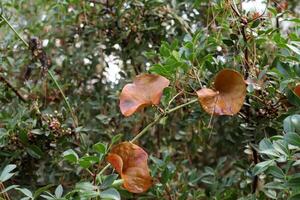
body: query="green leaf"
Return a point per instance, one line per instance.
(276, 172)
(228, 42)
(281, 146)
(265, 144)
(164, 50)
(100, 148)
(116, 138)
(294, 49)
(255, 23)
(6, 172)
(8, 188)
(70, 155)
(270, 193)
(234, 36)
(103, 119)
(110, 193)
(59, 191)
(275, 185)
(87, 161)
(292, 97)
(292, 138)
(292, 123)
(262, 166)
(108, 181)
(87, 186)
(35, 151)
(25, 191)
(294, 181)
(39, 191)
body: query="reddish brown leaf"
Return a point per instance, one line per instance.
(297, 90)
(145, 90)
(130, 161)
(228, 96)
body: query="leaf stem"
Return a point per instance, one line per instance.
(181, 106)
(64, 97)
(14, 30)
(142, 132)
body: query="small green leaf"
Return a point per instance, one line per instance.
(8, 188)
(6, 172)
(292, 97)
(294, 181)
(255, 23)
(108, 181)
(70, 155)
(275, 185)
(262, 166)
(35, 151)
(281, 146)
(292, 123)
(100, 148)
(294, 49)
(234, 36)
(116, 138)
(276, 172)
(39, 191)
(59, 191)
(110, 193)
(25, 191)
(87, 161)
(270, 193)
(292, 138)
(228, 42)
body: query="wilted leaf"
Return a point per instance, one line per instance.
(145, 90)
(130, 161)
(297, 90)
(228, 96)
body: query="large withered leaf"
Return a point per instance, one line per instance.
(131, 162)
(145, 90)
(228, 96)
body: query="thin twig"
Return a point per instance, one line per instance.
(152, 124)
(9, 85)
(65, 98)
(5, 195)
(212, 114)
(13, 29)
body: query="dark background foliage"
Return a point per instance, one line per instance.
(96, 47)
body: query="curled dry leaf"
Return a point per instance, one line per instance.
(297, 90)
(130, 161)
(228, 96)
(145, 90)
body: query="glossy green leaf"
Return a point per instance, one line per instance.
(70, 155)
(7, 172)
(110, 193)
(292, 138)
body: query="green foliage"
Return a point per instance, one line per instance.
(54, 146)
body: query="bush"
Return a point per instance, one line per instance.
(149, 99)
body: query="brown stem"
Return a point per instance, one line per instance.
(2, 188)
(9, 85)
(246, 51)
